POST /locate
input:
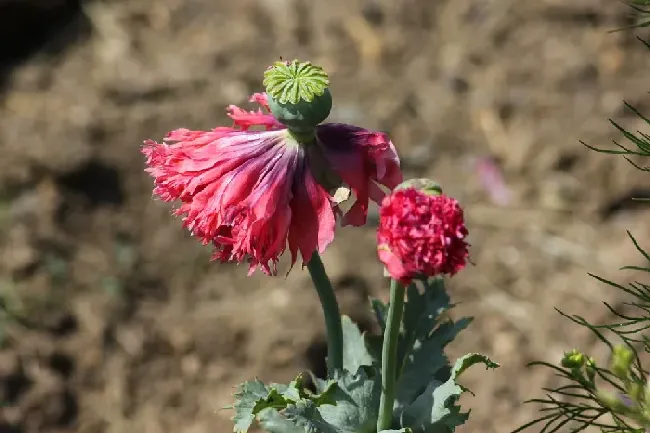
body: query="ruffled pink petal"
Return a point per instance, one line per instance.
(270, 206)
(312, 228)
(394, 265)
(246, 119)
(364, 160)
(421, 235)
(261, 99)
(381, 151)
(234, 187)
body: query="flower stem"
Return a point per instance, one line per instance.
(330, 311)
(389, 356)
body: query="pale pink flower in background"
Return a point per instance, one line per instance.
(491, 178)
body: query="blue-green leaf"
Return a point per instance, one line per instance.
(306, 415)
(427, 361)
(381, 311)
(435, 410)
(423, 339)
(421, 314)
(357, 402)
(272, 421)
(254, 396)
(355, 351)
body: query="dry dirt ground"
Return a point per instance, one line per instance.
(120, 324)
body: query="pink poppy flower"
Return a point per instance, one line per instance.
(252, 193)
(421, 235)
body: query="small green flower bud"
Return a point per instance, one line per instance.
(618, 403)
(590, 368)
(425, 185)
(634, 391)
(622, 357)
(298, 95)
(573, 359)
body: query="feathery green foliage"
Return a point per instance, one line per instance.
(615, 397)
(610, 397)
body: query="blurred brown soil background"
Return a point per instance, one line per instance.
(120, 324)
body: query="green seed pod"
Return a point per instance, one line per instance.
(303, 116)
(298, 95)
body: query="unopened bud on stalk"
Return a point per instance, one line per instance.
(573, 359)
(622, 358)
(590, 368)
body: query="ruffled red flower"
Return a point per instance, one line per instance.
(421, 235)
(253, 193)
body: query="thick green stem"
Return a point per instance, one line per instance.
(389, 356)
(303, 136)
(331, 312)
